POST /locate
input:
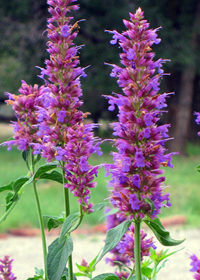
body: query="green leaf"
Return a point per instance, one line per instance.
(19, 183)
(113, 237)
(81, 268)
(8, 200)
(25, 156)
(151, 203)
(8, 187)
(160, 266)
(198, 168)
(112, 277)
(68, 224)
(92, 264)
(53, 176)
(161, 234)
(36, 158)
(35, 278)
(79, 274)
(39, 272)
(43, 169)
(102, 276)
(54, 221)
(97, 207)
(57, 257)
(65, 275)
(146, 271)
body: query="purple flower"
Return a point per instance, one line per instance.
(195, 263)
(136, 180)
(148, 119)
(126, 245)
(83, 164)
(61, 116)
(65, 30)
(139, 159)
(134, 201)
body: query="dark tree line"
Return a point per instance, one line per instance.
(22, 46)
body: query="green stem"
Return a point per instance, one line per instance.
(81, 215)
(67, 213)
(44, 246)
(137, 251)
(154, 269)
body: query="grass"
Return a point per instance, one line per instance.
(183, 180)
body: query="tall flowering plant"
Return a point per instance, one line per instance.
(138, 192)
(51, 125)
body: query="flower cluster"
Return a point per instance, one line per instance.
(25, 105)
(49, 118)
(60, 110)
(195, 263)
(126, 245)
(6, 269)
(65, 136)
(136, 181)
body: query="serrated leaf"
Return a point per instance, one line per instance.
(68, 223)
(102, 276)
(161, 234)
(113, 237)
(53, 176)
(43, 169)
(19, 183)
(7, 187)
(57, 257)
(97, 207)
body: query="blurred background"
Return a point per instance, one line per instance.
(23, 46)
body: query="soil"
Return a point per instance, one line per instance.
(27, 252)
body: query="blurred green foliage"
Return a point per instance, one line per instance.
(23, 45)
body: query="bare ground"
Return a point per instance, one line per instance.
(27, 252)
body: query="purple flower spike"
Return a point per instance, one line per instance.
(60, 122)
(140, 143)
(195, 263)
(25, 106)
(6, 269)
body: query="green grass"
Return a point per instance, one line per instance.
(183, 179)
